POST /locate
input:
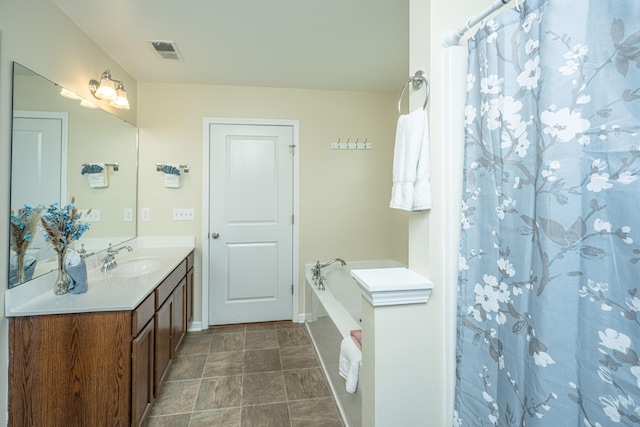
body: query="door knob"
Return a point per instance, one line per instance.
(215, 235)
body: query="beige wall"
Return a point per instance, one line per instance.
(344, 195)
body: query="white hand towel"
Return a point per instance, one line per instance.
(98, 179)
(349, 363)
(171, 176)
(411, 190)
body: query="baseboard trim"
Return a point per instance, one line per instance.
(195, 327)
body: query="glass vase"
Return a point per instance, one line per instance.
(61, 286)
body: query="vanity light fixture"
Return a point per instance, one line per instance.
(121, 100)
(83, 102)
(86, 104)
(109, 89)
(68, 94)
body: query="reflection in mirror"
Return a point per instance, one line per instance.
(53, 140)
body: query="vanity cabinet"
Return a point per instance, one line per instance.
(70, 369)
(170, 321)
(162, 348)
(142, 353)
(99, 368)
(179, 316)
(189, 291)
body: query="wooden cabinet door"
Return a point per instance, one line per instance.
(71, 370)
(189, 313)
(142, 352)
(162, 352)
(179, 319)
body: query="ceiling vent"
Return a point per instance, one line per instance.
(166, 50)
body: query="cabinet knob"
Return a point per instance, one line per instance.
(215, 235)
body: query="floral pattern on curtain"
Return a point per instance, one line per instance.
(548, 304)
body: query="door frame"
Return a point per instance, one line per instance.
(207, 122)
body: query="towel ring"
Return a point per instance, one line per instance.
(417, 80)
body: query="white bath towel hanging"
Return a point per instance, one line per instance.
(349, 363)
(411, 190)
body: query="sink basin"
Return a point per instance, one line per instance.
(136, 267)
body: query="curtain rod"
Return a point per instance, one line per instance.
(452, 38)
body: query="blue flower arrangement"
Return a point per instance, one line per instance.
(62, 225)
(23, 227)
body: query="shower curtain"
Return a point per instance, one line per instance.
(548, 301)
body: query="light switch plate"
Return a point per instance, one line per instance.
(93, 216)
(183, 214)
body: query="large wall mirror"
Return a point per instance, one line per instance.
(53, 139)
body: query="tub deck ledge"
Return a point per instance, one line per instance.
(392, 286)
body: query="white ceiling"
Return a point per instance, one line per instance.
(312, 44)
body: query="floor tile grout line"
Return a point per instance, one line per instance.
(193, 406)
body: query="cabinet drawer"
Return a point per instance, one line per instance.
(169, 284)
(142, 314)
(190, 261)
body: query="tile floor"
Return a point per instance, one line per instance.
(246, 375)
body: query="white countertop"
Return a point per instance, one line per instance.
(104, 291)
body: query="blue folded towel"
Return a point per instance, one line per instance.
(92, 168)
(170, 169)
(77, 278)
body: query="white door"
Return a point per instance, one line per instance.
(39, 165)
(251, 223)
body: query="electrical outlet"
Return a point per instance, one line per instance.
(183, 214)
(334, 145)
(145, 214)
(128, 214)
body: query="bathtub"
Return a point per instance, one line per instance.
(331, 315)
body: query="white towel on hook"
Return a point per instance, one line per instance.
(349, 363)
(411, 190)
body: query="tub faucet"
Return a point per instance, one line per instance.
(320, 283)
(109, 261)
(318, 280)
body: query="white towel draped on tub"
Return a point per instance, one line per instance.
(349, 363)
(411, 189)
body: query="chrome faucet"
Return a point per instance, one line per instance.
(318, 279)
(83, 252)
(109, 261)
(320, 283)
